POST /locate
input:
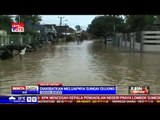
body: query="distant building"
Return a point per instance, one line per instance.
(78, 33)
(64, 30)
(49, 30)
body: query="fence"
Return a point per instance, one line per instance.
(151, 40)
(128, 41)
(16, 39)
(142, 41)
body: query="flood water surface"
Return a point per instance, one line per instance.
(88, 64)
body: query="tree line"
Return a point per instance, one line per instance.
(108, 24)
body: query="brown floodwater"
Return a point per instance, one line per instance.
(88, 64)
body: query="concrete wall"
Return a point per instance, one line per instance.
(151, 48)
(3, 32)
(150, 41)
(137, 46)
(128, 44)
(15, 39)
(125, 44)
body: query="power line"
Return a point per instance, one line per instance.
(49, 20)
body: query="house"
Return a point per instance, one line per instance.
(49, 30)
(64, 30)
(71, 30)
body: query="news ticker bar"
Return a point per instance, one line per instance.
(59, 90)
(80, 99)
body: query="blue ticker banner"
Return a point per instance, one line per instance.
(25, 92)
(18, 100)
(59, 90)
(78, 90)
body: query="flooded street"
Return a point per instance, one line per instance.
(88, 64)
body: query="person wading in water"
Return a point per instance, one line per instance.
(50, 38)
(21, 52)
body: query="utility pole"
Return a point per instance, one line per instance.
(114, 39)
(66, 30)
(66, 27)
(60, 20)
(20, 38)
(19, 20)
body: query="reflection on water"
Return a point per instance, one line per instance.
(90, 63)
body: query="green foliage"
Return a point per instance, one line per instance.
(29, 21)
(157, 20)
(102, 25)
(139, 22)
(78, 27)
(34, 19)
(6, 23)
(107, 24)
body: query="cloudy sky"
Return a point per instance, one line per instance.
(71, 20)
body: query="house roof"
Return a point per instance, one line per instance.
(49, 28)
(63, 29)
(71, 30)
(49, 25)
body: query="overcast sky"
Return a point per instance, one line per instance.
(71, 20)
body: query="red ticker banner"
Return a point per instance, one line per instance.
(100, 99)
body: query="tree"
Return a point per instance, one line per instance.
(31, 22)
(102, 25)
(157, 20)
(78, 27)
(34, 19)
(139, 22)
(6, 23)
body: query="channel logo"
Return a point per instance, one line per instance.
(17, 27)
(139, 89)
